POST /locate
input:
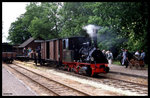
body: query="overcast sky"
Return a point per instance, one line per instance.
(10, 12)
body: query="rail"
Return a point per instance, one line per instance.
(35, 77)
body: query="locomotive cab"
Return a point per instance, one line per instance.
(72, 46)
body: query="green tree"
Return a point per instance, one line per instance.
(18, 32)
(46, 24)
(73, 17)
(128, 21)
(124, 24)
(39, 20)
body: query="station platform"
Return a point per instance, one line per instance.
(12, 86)
(143, 73)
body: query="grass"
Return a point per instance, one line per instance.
(146, 65)
(116, 62)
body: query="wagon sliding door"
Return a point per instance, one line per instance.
(43, 50)
(51, 50)
(47, 50)
(56, 50)
(60, 50)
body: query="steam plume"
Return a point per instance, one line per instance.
(91, 30)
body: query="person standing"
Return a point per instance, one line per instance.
(109, 57)
(104, 53)
(24, 51)
(39, 54)
(124, 57)
(35, 57)
(142, 56)
(29, 51)
(137, 53)
(119, 57)
(128, 58)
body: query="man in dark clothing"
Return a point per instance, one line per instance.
(120, 56)
(24, 51)
(35, 57)
(39, 54)
(128, 57)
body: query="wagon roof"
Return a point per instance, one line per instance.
(66, 38)
(26, 42)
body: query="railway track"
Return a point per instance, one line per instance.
(57, 88)
(139, 89)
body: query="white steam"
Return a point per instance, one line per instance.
(91, 29)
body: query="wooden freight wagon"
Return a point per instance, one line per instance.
(60, 50)
(51, 51)
(9, 54)
(43, 50)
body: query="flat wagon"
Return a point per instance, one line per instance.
(8, 54)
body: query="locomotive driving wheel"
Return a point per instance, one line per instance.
(89, 71)
(85, 70)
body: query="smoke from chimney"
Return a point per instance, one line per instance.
(92, 31)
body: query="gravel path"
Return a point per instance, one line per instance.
(122, 69)
(11, 86)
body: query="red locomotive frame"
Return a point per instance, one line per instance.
(96, 68)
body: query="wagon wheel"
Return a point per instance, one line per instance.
(10, 61)
(137, 65)
(142, 64)
(130, 65)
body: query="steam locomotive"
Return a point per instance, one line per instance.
(78, 54)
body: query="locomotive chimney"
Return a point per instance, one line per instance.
(94, 38)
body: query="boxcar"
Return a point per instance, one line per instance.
(51, 50)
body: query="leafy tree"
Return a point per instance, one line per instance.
(39, 20)
(18, 32)
(73, 17)
(45, 25)
(124, 24)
